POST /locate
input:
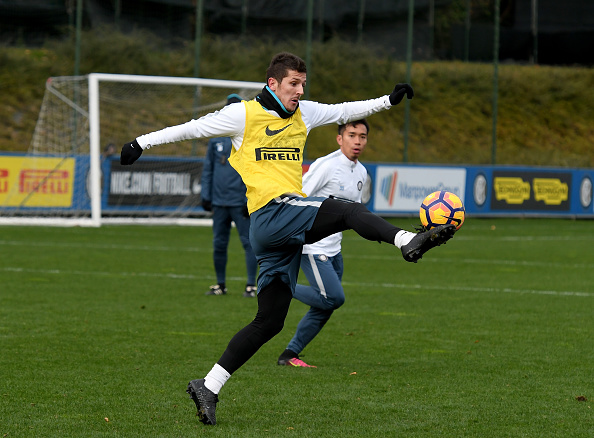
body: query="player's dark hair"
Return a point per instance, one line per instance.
(281, 63)
(354, 123)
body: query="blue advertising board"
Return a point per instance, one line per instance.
(485, 190)
(529, 191)
(163, 185)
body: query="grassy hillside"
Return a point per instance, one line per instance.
(545, 116)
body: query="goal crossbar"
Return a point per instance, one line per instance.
(94, 134)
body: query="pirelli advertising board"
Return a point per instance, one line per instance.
(154, 185)
(36, 182)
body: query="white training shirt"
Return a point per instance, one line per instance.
(333, 175)
(230, 121)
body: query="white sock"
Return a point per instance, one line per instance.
(216, 378)
(403, 238)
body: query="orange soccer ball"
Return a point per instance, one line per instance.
(442, 208)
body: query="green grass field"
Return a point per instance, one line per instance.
(487, 336)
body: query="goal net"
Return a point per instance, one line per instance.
(71, 173)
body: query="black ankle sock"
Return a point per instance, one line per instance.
(288, 354)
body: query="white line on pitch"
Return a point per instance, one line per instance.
(345, 283)
(498, 238)
(461, 261)
(473, 289)
(114, 274)
(208, 249)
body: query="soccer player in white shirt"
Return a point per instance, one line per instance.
(341, 176)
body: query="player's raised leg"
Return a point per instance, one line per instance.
(335, 215)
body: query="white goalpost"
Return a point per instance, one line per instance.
(71, 173)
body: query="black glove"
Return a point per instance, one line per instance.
(130, 153)
(399, 91)
(245, 212)
(207, 205)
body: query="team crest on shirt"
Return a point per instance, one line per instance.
(360, 185)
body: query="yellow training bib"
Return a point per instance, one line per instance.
(270, 157)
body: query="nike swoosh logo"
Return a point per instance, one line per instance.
(453, 219)
(271, 132)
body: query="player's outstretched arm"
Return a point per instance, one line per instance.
(130, 153)
(399, 91)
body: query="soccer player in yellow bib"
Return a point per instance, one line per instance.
(268, 136)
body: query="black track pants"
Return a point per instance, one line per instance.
(273, 305)
(335, 216)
